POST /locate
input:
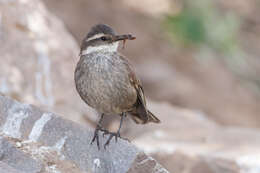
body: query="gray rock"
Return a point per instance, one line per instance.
(62, 145)
(188, 142)
(144, 164)
(5, 168)
(17, 159)
(39, 59)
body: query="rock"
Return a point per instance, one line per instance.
(4, 168)
(44, 141)
(39, 59)
(152, 7)
(188, 142)
(17, 159)
(144, 163)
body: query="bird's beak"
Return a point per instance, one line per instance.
(122, 37)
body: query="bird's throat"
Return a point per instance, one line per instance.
(101, 48)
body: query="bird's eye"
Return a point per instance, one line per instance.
(103, 38)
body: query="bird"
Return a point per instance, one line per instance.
(106, 81)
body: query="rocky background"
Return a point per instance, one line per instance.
(198, 62)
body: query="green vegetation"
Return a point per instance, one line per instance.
(199, 23)
(215, 33)
(187, 28)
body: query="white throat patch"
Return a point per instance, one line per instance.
(102, 48)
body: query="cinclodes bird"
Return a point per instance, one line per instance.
(105, 80)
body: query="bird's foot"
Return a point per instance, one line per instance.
(111, 135)
(96, 137)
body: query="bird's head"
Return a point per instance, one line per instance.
(102, 38)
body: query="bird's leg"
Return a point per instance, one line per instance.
(117, 134)
(98, 127)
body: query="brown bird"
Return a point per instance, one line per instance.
(105, 80)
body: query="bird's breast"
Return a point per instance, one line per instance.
(103, 82)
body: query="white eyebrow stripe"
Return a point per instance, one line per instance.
(95, 36)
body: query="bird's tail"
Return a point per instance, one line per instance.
(152, 117)
(144, 117)
(140, 114)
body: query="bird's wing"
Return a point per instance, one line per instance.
(135, 82)
(140, 114)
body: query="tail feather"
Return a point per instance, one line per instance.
(137, 119)
(144, 117)
(140, 114)
(152, 117)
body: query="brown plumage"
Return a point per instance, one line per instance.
(140, 113)
(105, 80)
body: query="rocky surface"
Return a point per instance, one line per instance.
(188, 142)
(38, 58)
(35, 141)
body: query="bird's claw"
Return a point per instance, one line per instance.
(111, 135)
(96, 138)
(106, 132)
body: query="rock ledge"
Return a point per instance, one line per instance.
(32, 141)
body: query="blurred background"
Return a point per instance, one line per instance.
(199, 62)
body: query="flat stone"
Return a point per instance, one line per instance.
(144, 164)
(5, 168)
(17, 159)
(57, 142)
(188, 142)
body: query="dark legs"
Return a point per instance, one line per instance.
(117, 134)
(106, 132)
(98, 127)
